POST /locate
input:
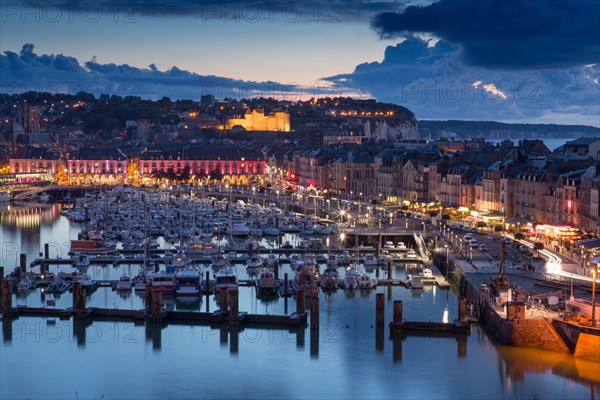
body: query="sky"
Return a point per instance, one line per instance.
(505, 60)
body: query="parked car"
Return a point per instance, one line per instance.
(468, 236)
(474, 244)
(524, 249)
(474, 230)
(483, 247)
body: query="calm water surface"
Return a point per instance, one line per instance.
(346, 358)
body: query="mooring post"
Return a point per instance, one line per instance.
(379, 309)
(6, 298)
(43, 269)
(462, 308)
(223, 299)
(156, 266)
(207, 285)
(389, 270)
(300, 301)
(314, 313)
(285, 284)
(46, 251)
(276, 270)
(234, 317)
(396, 325)
(78, 301)
(156, 307)
(148, 298)
(23, 263)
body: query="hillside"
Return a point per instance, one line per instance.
(501, 130)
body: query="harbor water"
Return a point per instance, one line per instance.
(347, 357)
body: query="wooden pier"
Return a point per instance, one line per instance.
(459, 327)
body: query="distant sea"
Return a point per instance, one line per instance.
(551, 144)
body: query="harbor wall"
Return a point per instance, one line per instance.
(523, 332)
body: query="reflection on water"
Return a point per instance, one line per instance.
(516, 363)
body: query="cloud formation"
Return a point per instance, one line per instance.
(506, 34)
(28, 71)
(328, 11)
(434, 82)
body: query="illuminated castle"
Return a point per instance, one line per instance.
(256, 120)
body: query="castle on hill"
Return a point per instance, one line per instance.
(256, 120)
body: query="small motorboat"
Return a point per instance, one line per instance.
(124, 284)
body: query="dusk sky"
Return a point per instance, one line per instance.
(512, 61)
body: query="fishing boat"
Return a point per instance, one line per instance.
(370, 261)
(305, 280)
(365, 282)
(218, 261)
(163, 282)
(351, 277)
(95, 247)
(84, 280)
(140, 281)
(266, 282)
(225, 279)
(58, 285)
(124, 284)
(270, 231)
(81, 261)
(180, 261)
(329, 279)
(254, 263)
(25, 284)
(187, 282)
(239, 229)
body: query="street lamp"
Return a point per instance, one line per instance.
(447, 265)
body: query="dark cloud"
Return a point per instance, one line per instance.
(250, 10)
(26, 70)
(434, 83)
(506, 34)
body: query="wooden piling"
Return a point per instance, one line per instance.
(285, 284)
(389, 271)
(156, 307)
(6, 298)
(23, 263)
(300, 301)
(223, 299)
(461, 348)
(207, 284)
(397, 311)
(79, 301)
(462, 308)
(314, 313)
(156, 266)
(276, 270)
(148, 298)
(379, 309)
(314, 343)
(396, 324)
(46, 251)
(379, 337)
(234, 316)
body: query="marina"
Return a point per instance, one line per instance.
(246, 289)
